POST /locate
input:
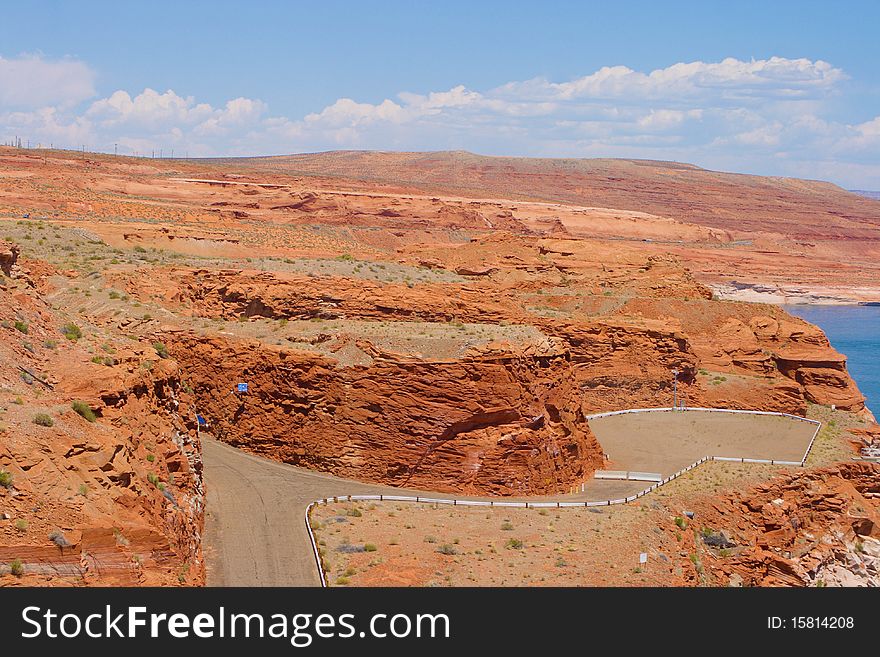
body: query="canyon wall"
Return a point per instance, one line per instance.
(102, 469)
(506, 425)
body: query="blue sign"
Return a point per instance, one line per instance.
(242, 387)
(202, 421)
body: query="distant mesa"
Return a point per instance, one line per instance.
(866, 193)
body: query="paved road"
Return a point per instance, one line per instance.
(667, 442)
(255, 532)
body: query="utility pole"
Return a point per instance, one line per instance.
(115, 150)
(674, 389)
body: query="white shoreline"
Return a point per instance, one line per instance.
(780, 295)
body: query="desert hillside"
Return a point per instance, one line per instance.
(777, 233)
(444, 322)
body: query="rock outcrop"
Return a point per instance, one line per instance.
(102, 463)
(8, 256)
(810, 528)
(489, 425)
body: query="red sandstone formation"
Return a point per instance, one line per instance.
(607, 263)
(79, 504)
(490, 425)
(810, 528)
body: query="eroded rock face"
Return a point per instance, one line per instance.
(8, 256)
(81, 506)
(814, 527)
(602, 352)
(505, 425)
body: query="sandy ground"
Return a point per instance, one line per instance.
(400, 544)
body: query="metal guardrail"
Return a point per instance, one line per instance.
(561, 504)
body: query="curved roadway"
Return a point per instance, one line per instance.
(255, 532)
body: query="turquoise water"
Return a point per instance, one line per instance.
(855, 332)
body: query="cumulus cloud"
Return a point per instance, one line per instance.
(30, 82)
(773, 115)
(147, 109)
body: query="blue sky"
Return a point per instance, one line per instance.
(781, 88)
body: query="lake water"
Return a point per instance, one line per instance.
(855, 332)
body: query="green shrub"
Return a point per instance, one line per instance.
(514, 544)
(506, 526)
(151, 457)
(680, 522)
(21, 326)
(369, 547)
(153, 479)
(446, 548)
(16, 567)
(71, 331)
(43, 419)
(139, 249)
(5, 479)
(83, 410)
(21, 525)
(161, 349)
(354, 513)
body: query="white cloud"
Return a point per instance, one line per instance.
(774, 115)
(148, 109)
(665, 119)
(730, 78)
(30, 82)
(346, 112)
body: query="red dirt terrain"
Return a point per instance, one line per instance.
(436, 321)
